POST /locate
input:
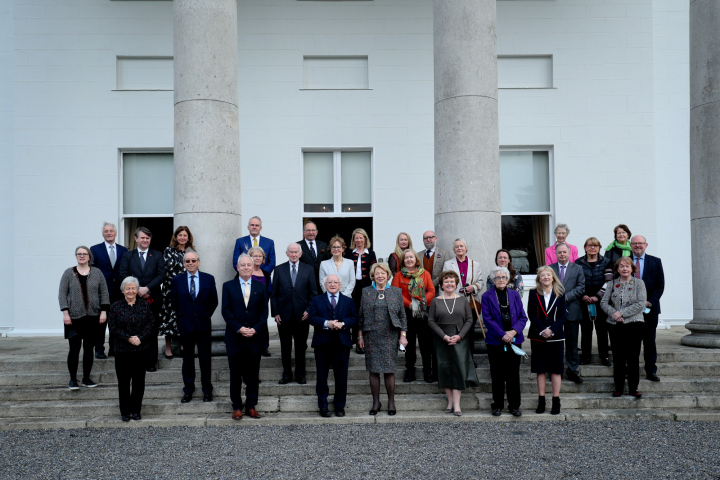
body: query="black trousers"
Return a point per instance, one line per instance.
(418, 332)
(572, 331)
(130, 369)
(505, 375)
(100, 340)
(357, 298)
(203, 341)
(152, 340)
(648, 340)
(586, 333)
(293, 331)
(86, 342)
(626, 339)
(244, 366)
(333, 355)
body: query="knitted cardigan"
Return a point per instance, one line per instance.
(627, 297)
(71, 298)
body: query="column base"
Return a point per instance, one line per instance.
(705, 334)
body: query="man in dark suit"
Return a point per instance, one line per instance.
(244, 308)
(650, 270)
(148, 267)
(573, 279)
(332, 316)
(293, 287)
(194, 297)
(107, 257)
(313, 251)
(243, 244)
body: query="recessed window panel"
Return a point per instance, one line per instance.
(519, 71)
(335, 73)
(148, 184)
(145, 73)
(318, 182)
(525, 181)
(356, 182)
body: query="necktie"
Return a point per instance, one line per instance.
(142, 260)
(294, 274)
(112, 256)
(637, 267)
(254, 241)
(193, 293)
(333, 302)
(312, 251)
(562, 273)
(428, 253)
(246, 293)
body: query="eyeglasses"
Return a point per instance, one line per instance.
(637, 244)
(336, 247)
(191, 260)
(429, 238)
(81, 254)
(500, 278)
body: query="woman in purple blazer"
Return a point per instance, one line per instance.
(504, 319)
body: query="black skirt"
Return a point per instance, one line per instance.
(547, 357)
(84, 327)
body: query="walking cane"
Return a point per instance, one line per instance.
(472, 300)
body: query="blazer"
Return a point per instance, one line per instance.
(654, 278)
(194, 315)
(369, 321)
(125, 321)
(321, 310)
(543, 315)
(101, 260)
(71, 298)
(493, 321)
(403, 284)
(237, 315)
(291, 302)
(243, 244)
(627, 297)
(551, 258)
(368, 260)
(322, 253)
(438, 259)
(574, 289)
(151, 277)
(346, 274)
(474, 275)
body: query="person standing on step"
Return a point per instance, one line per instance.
(194, 298)
(293, 287)
(262, 276)
(402, 243)
(561, 233)
(573, 280)
(244, 309)
(106, 256)
(363, 259)
(650, 270)
(340, 266)
(332, 316)
(84, 302)
(314, 252)
(433, 257)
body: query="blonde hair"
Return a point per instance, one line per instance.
(556, 284)
(256, 249)
(364, 234)
(385, 267)
(592, 241)
(399, 251)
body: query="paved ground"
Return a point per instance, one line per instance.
(608, 449)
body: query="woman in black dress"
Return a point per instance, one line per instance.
(363, 259)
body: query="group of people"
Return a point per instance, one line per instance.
(430, 299)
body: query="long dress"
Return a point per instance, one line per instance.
(173, 267)
(381, 345)
(456, 369)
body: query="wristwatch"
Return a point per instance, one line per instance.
(404, 334)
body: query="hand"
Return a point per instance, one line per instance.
(547, 333)
(277, 319)
(361, 342)
(332, 324)
(587, 299)
(66, 318)
(103, 317)
(595, 299)
(134, 340)
(305, 316)
(470, 289)
(647, 304)
(447, 339)
(403, 340)
(509, 335)
(454, 340)
(620, 319)
(616, 315)
(144, 291)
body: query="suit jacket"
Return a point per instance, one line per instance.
(368, 260)
(493, 320)
(321, 310)
(291, 302)
(574, 289)
(396, 309)
(194, 315)
(439, 259)
(551, 258)
(151, 277)
(243, 244)
(322, 253)
(474, 275)
(654, 278)
(237, 315)
(543, 315)
(101, 260)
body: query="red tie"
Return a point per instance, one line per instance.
(637, 266)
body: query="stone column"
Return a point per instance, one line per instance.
(705, 171)
(207, 158)
(467, 164)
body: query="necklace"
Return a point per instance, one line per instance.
(381, 294)
(498, 300)
(446, 305)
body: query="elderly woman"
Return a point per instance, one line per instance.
(402, 243)
(131, 324)
(363, 259)
(261, 276)
(84, 301)
(624, 303)
(174, 266)
(561, 233)
(547, 311)
(451, 321)
(598, 272)
(505, 319)
(620, 247)
(503, 259)
(340, 266)
(467, 269)
(417, 291)
(383, 326)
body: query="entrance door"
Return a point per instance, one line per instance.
(343, 226)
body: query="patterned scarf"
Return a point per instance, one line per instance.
(626, 250)
(417, 291)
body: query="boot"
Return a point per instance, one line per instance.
(555, 406)
(541, 404)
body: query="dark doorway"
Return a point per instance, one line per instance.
(518, 237)
(329, 227)
(161, 228)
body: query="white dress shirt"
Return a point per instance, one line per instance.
(358, 269)
(197, 282)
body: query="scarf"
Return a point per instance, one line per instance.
(416, 289)
(626, 250)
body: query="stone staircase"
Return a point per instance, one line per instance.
(34, 393)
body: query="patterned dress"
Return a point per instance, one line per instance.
(173, 267)
(381, 345)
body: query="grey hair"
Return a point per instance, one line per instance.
(333, 275)
(257, 218)
(191, 250)
(108, 224)
(558, 245)
(244, 255)
(460, 239)
(561, 225)
(128, 281)
(497, 270)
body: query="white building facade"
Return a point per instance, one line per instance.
(336, 116)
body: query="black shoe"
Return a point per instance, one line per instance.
(555, 406)
(606, 362)
(584, 362)
(86, 382)
(207, 397)
(427, 378)
(541, 404)
(169, 357)
(151, 369)
(516, 412)
(339, 412)
(359, 351)
(73, 385)
(186, 398)
(325, 413)
(617, 394)
(125, 418)
(496, 412)
(391, 411)
(409, 375)
(111, 353)
(652, 377)
(100, 355)
(136, 416)
(574, 377)
(301, 380)
(285, 380)
(375, 410)
(266, 353)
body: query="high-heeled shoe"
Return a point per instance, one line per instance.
(450, 410)
(374, 411)
(391, 411)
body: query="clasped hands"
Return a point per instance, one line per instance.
(547, 333)
(509, 335)
(278, 320)
(589, 300)
(246, 332)
(334, 324)
(618, 317)
(452, 340)
(134, 340)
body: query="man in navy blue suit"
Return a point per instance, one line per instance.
(332, 315)
(650, 270)
(244, 308)
(243, 244)
(106, 257)
(194, 297)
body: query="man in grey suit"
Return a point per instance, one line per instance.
(573, 279)
(433, 256)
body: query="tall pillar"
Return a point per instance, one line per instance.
(467, 164)
(207, 158)
(705, 171)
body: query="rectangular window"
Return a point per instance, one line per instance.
(145, 73)
(318, 182)
(355, 181)
(525, 71)
(337, 182)
(335, 73)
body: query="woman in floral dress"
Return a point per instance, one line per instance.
(173, 256)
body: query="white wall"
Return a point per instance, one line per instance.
(7, 194)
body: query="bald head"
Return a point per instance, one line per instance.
(333, 283)
(638, 245)
(429, 239)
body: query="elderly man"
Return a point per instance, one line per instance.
(433, 256)
(244, 308)
(332, 315)
(293, 287)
